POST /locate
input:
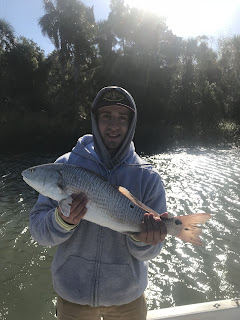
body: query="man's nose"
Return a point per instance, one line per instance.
(114, 123)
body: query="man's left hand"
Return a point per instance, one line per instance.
(153, 229)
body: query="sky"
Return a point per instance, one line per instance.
(186, 18)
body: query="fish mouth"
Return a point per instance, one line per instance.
(25, 179)
(24, 176)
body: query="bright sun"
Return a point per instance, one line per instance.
(188, 18)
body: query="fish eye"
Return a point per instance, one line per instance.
(131, 206)
(31, 170)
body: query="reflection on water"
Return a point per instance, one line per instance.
(25, 279)
(195, 181)
(200, 181)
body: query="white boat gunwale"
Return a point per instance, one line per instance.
(220, 310)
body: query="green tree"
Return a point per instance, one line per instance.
(6, 43)
(118, 19)
(106, 40)
(24, 78)
(6, 36)
(70, 25)
(229, 64)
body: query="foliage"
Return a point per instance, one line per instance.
(6, 36)
(71, 27)
(186, 91)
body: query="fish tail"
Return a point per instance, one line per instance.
(191, 228)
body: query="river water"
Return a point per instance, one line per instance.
(195, 181)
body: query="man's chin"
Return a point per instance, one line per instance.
(113, 144)
(112, 147)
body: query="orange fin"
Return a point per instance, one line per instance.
(191, 229)
(137, 202)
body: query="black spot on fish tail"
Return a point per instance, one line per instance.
(177, 222)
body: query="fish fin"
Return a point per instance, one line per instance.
(137, 202)
(191, 229)
(60, 190)
(65, 206)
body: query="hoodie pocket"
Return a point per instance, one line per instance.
(73, 280)
(118, 283)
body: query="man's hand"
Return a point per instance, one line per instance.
(78, 209)
(153, 229)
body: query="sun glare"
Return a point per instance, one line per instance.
(188, 18)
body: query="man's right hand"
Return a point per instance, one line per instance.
(153, 229)
(77, 211)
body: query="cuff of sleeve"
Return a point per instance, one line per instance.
(134, 239)
(62, 223)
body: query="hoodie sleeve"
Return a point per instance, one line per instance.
(154, 197)
(43, 225)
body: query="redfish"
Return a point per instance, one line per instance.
(108, 206)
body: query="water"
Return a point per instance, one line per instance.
(195, 181)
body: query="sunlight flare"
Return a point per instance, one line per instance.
(191, 18)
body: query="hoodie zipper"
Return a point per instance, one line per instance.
(99, 253)
(97, 267)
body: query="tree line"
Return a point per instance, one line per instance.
(186, 90)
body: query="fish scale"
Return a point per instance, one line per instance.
(122, 210)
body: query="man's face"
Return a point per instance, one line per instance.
(113, 124)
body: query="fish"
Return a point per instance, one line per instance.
(108, 206)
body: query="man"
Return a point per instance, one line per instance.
(98, 272)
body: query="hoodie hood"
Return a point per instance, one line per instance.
(107, 96)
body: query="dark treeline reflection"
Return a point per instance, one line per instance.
(187, 91)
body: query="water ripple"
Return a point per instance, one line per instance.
(199, 181)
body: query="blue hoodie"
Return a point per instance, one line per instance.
(94, 265)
